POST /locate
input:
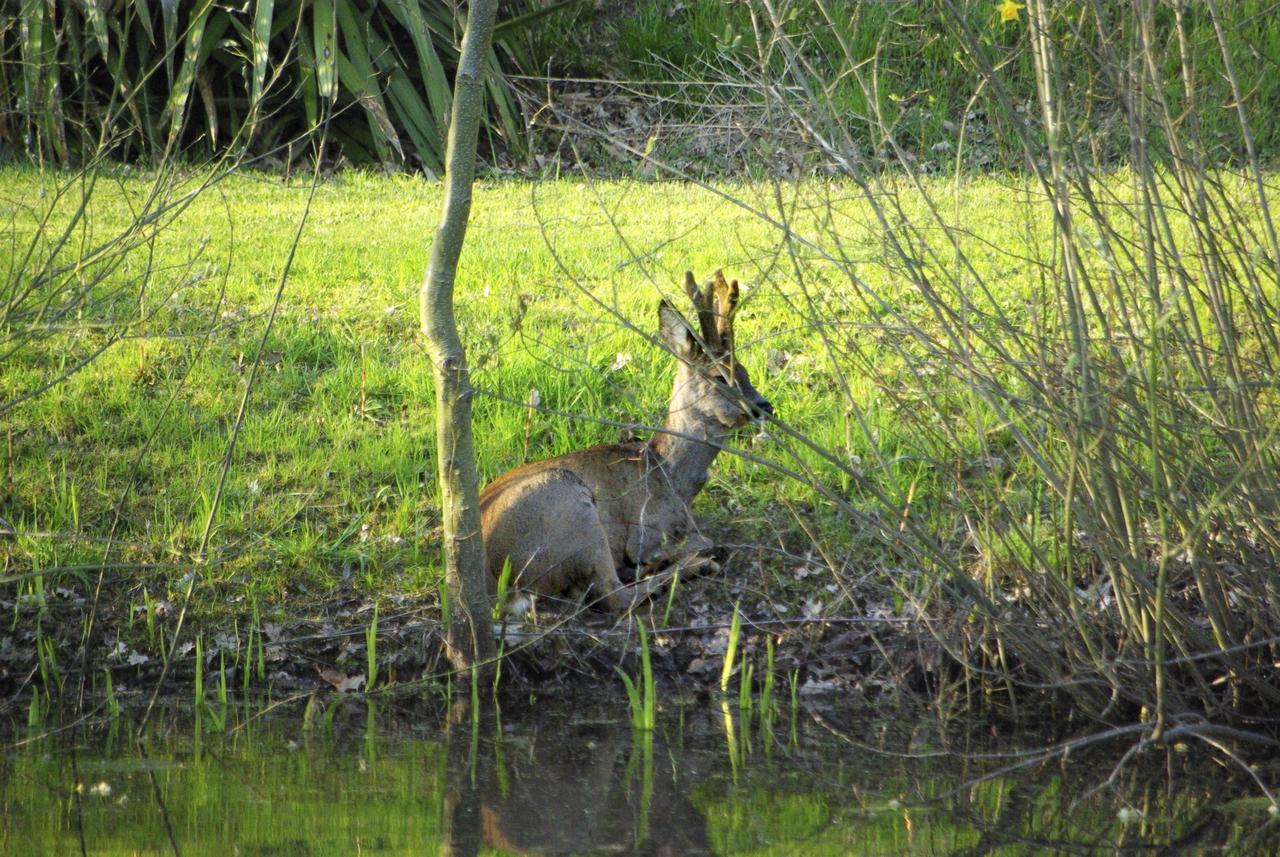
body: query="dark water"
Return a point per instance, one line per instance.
(346, 777)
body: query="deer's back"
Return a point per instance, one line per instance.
(623, 483)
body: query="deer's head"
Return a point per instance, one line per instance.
(712, 388)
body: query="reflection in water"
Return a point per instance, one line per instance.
(584, 788)
(556, 778)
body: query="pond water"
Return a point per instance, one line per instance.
(340, 776)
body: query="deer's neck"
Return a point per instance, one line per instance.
(685, 448)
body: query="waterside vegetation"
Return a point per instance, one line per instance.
(1021, 354)
(110, 472)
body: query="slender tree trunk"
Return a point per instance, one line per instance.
(470, 639)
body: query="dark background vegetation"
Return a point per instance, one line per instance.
(138, 80)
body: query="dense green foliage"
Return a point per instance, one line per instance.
(146, 80)
(919, 81)
(140, 79)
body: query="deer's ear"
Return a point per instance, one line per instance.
(676, 332)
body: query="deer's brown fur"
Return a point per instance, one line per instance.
(571, 522)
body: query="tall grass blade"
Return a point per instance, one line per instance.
(731, 647)
(649, 715)
(98, 23)
(176, 107)
(33, 62)
(371, 651)
(324, 24)
(766, 692)
(356, 74)
(259, 44)
(634, 701)
(435, 81)
(307, 78)
(199, 677)
(642, 696)
(142, 15)
(504, 583)
(109, 693)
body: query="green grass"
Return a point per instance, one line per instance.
(339, 428)
(333, 474)
(334, 464)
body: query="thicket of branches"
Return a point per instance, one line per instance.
(1100, 439)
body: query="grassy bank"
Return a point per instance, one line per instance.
(924, 470)
(333, 467)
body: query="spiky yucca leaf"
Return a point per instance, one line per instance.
(176, 108)
(263, 13)
(324, 27)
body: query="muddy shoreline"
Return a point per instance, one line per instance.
(323, 643)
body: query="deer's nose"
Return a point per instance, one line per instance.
(761, 408)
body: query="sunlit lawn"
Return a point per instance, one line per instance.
(332, 477)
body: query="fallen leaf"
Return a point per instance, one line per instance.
(342, 682)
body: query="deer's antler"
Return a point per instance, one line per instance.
(723, 297)
(715, 305)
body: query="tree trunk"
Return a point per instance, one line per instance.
(470, 637)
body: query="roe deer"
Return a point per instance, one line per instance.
(573, 521)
